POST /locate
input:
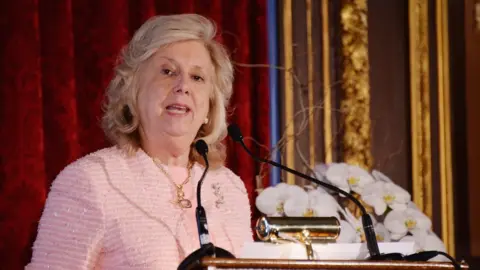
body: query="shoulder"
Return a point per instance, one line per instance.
(79, 173)
(104, 155)
(228, 177)
(230, 186)
(234, 202)
(95, 160)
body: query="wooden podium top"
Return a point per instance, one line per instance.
(221, 263)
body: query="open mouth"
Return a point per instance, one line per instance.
(177, 109)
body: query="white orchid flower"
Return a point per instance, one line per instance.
(382, 194)
(426, 241)
(319, 173)
(297, 204)
(357, 225)
(348, 177)
(413, 206)
(323, 204)
(379, 176)
(347, 233)
(280, 199)
(320, 170)
(399, 223)
(383, 235)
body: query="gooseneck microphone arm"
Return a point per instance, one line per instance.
(193, 260)
(204, 237)
(370, 237)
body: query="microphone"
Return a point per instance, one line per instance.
(193, 261)
(370, 237)
(204, 236)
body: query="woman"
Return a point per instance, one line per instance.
(132, 206)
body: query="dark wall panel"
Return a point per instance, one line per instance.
(389, 80)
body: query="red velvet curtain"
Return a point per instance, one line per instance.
(56, 58)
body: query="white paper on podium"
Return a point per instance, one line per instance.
(334, 251)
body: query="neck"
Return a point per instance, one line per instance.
(168, 152)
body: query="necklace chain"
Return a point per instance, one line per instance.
(180, 200)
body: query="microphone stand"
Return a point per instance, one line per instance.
(370, 236)
(207, 249)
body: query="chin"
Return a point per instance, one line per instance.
(179, 132)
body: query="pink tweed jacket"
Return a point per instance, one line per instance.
(109, 211)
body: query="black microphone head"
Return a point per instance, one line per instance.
(235, 133)
(202, 147)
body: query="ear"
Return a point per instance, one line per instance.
(127, 114)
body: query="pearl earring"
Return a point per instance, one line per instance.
(206, 120)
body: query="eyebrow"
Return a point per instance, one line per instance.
(173, 60)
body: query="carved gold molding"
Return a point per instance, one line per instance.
(355, 83)
(420, 105)
(444, 124)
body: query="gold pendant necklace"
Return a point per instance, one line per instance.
(180, 199)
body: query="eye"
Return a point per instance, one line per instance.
(167, 72)
(197, 78)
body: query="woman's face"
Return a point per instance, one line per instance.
(175, 86)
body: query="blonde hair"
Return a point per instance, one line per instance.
(120, 121)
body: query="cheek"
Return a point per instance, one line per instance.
(142, 102)
(144, 99)
(155, 87)
(203, 105)
(154, 92)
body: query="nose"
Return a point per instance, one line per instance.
(181, 90)
(181, 86)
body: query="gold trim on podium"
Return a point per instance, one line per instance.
(227, 263)
(420, 105)
(444, 124)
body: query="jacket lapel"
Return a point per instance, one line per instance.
(145, 177)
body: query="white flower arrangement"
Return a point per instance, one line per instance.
(395, 216)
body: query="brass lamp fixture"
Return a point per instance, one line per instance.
(306, 230)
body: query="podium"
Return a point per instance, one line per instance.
(221, 263)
